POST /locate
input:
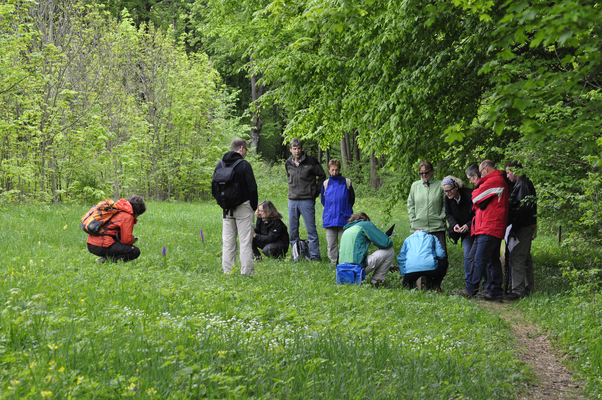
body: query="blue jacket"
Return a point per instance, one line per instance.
(338, 202)
(419, 253)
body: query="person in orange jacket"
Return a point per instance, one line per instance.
(118, 241)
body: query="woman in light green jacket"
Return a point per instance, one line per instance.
(426, 208)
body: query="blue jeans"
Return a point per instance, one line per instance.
(306, 209)
(467, 245)
(487, 260)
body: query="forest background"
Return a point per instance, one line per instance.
(109, 98)
(102, 99)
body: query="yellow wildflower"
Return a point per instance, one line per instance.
(46, 393)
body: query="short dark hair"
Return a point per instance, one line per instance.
(138, 204)
(359, 215)
(296, 143)
(473, 170)
(513, 164)
(236, 143)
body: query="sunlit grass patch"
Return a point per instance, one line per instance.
(175, 326)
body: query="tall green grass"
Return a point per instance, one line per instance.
(176, 327)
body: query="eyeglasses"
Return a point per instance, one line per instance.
(448, 191)
(426, 172)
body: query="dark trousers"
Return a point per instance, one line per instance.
(443, 263)
(117, 251)
(434, 278)
(272, 250)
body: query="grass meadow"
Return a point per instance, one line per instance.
(176, 327)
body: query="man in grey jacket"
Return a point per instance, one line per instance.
(305, 178)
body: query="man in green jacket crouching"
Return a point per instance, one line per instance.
(359, 233)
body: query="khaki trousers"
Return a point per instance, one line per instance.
(380, 262)
(240, 224)
(332, 238)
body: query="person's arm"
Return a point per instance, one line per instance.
(377, 237)
(274, 231)
(401, 259)
(251, 186)
(320, 177)
(322, 192)
(351, 195)
(438, 248)
(127, 228)
(411, 207)
(450, 214)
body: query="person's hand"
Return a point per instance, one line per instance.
(254, 234)
(457, 228)
(464, 228)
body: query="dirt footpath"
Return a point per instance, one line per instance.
(552, 379)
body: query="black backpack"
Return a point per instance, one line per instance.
(226, 188)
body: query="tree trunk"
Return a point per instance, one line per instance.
(327, 153)
(320, 155)
(257, 123)
(356, 148)
(344, 151)
(374, 179)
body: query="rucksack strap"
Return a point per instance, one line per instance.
(347, 183)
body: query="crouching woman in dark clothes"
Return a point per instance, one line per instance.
(271, 235)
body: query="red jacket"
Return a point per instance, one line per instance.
(121, 224)
(491, 193)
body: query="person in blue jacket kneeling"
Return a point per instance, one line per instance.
(419, 259)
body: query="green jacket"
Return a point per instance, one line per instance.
(426, 206)
(357, 238)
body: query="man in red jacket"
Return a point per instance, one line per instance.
(118, 242)
(490, 204)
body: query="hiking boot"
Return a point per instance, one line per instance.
(101, 260)
(512, 297)
(488, 297)
(463, 293)
(437, 289)
(316, 259)
(375, 285)
(257, 258)
(421, 283)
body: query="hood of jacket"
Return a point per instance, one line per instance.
(124, 205)
(231, 157)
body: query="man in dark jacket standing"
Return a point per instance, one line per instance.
(523, 219)
(239, 220)
(305, 178)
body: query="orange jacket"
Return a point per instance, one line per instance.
(121, 225)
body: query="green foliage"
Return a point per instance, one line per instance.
(107, 109)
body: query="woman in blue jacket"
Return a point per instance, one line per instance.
(419, 261)
(337, 197)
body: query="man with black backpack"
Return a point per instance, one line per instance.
(235, 190)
